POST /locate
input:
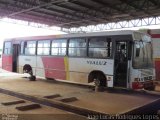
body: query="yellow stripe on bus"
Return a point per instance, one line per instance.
(66, 62)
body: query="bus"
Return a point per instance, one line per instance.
(120, 59)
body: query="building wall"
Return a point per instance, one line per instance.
(155, 34)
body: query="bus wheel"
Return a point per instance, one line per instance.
(99, 78)
(32, 78)
(151, 88)
(28, 69)
(102, 80)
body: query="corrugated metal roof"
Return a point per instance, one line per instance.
(75, 13)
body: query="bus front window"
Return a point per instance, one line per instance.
(142, 57)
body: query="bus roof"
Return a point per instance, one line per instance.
(106, 33)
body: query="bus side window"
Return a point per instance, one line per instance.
(100, 47)
(25, 48)
(23, 43)
(7, 48)
(59, 47)
(43, 47)
(77, 47)
(30, 48)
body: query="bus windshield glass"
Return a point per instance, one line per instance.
(142, 55)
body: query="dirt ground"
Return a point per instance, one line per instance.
(42, 113)
(105, 102)
(157, 88)
(10, 112)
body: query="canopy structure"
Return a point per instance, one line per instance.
(69, 14)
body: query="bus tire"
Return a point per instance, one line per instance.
(99, 77)
(32, 78)
(151, 88)
(27, 69)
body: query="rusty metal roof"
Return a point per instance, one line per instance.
(75, 13)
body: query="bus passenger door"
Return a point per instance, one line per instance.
(16, 50)
(121, 64)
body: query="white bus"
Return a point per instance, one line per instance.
(115, 58)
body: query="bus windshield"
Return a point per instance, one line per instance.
(142, 56)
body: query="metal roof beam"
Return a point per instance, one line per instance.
(42, 11)
(115, 25)
(37, 15)
(155, 2)
(52, 18)
(121, 9)
(91, 12)
(137, 6)
(84, 14)
(74, 15)
(105, 14)
(95, 11)
(109, 6)
(35, 7)
(66, 14)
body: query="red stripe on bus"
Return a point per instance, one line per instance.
(157, 69)
(155, 35)
(54, 63)
(137, 85)
(7, 62)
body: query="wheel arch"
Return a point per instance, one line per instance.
(27, 67)
(93, 73)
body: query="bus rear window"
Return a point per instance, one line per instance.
(7, 48)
